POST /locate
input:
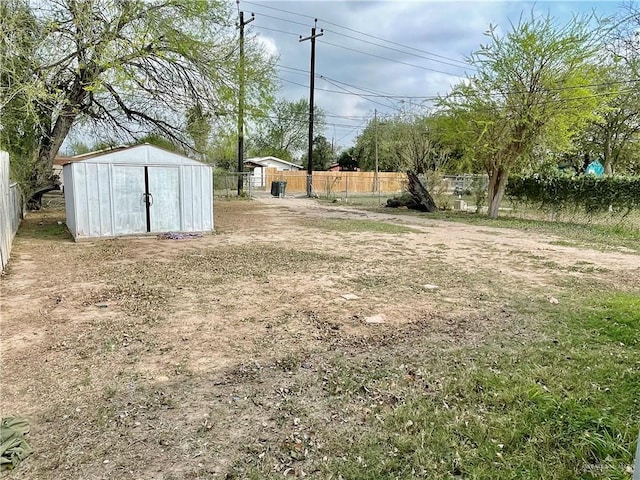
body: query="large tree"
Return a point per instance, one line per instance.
(532, 88)
(401, 142)
(612, 135)
(126, 67)
(322, 154)
(284, 132)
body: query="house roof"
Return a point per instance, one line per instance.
(125, 154)
(262, 161)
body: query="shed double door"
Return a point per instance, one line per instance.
(146, 199)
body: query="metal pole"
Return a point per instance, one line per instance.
(311, 89)
(375, 126)
(241, 25)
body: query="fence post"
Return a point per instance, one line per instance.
(346, 188)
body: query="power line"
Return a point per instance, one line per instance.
(282, 19)
(463, 65)
(304, 123)
(390, 59)
(326, 90)
(351, 131)
(374, 93)
(358, 95)
(276, 30)
(398, 50)
(359, 32)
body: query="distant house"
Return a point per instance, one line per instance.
(258, 165)
(335, 167)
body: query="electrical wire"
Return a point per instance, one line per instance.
(324, 90)
(286, 20)
(360, 51)
(467, 66)
(389, 59)
(359, 32)
(358, 95)
(275, 30)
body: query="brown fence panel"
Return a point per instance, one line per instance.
(339, 183)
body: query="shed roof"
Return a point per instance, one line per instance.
(138, 154)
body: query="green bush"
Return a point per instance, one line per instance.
(587, 192)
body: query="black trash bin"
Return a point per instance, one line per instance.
(278, 188)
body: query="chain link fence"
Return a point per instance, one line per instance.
(226, 184)
(356, 188)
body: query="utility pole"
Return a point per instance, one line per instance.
(311, 88)
(375, 127)
(241, 25)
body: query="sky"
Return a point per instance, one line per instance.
(385, 56)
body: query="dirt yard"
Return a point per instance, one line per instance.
(146, 358)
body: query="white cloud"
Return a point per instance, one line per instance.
(269, 44)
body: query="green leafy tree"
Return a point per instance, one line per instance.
(199, 128)
(284, 132)
(612, 135)
(531, 89)
(403, 142)
(347, 160)
(322, 154)
(20, 98)
(124, 68)
(223, 150)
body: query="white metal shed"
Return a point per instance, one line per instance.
(137, 190)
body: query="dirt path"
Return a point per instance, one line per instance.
(134, 357)
(468, 243)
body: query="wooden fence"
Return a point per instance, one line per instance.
(11, 210)
(339, 183)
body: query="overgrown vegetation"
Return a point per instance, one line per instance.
(586, 192)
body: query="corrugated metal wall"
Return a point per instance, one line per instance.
(11, 210)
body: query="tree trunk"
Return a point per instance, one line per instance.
(607, 156)
(497, 184)
(43, 180)
(421, 196)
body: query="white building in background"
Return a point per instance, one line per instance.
(257, 165)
